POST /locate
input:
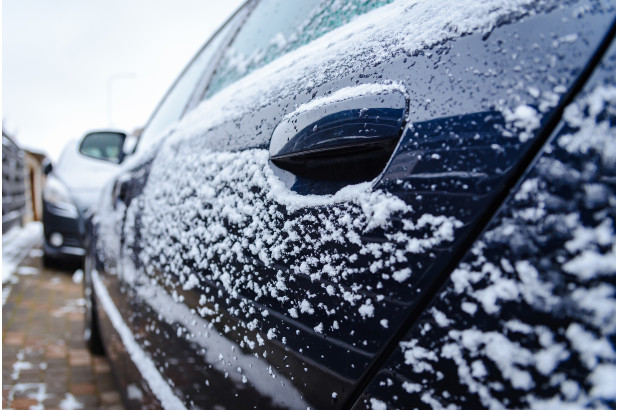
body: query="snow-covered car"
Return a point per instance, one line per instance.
(71, 188)
(354, 204)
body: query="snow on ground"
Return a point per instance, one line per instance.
(34, 391)
(70, 403)
(16, 245)
(78, 276)
(70, 306)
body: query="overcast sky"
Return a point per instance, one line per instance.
(69, 66)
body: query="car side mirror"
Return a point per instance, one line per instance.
(130, 145)
(104, 145)
(47, 166)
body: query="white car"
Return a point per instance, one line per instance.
(72, 187)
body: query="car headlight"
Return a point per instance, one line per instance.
(55, 193)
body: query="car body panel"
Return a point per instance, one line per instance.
(242, 291)
(70, 226)
(527, 318)
(83, 176)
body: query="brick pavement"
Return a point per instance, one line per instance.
(44, 360)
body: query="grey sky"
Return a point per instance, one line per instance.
(58, 57)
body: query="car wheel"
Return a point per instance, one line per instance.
(49, 261)
(92, 337)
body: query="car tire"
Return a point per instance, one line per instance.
(49, 261)
(92, 336)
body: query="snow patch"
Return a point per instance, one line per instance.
(78, 276)
(16, 244)
(70, 403)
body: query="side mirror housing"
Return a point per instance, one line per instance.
(104, 145)
(47, 166)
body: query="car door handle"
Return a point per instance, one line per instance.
(349, 135)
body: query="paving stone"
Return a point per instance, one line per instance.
(23, 403)
(13, 338)
(81, 371)
(101, 365)
(57, 370)
(56, 363)
(29, 378)
(90, 379)
(60, 387)
(56, 352)
(114, 407)
(106, 383)
(5, 394)
(79, 357)
(56, 378)
(53, 402)
(89, 401)
(82, 389)
(9, 351)
(42, 324)
(110, 397)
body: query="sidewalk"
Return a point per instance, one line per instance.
(45, 363)
(16, 244)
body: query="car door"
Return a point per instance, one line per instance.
(290, 228)
(107, 236)
(527, 318)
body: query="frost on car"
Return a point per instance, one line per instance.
(527, 320)
(231, 285)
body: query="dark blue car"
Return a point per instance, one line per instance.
(356, 204)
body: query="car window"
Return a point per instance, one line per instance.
(172, 107)
(276, 27)
(103, 145)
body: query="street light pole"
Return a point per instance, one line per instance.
(110, 82)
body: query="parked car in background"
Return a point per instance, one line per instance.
(369, 205)
(72, 186)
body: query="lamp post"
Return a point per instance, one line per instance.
(110, 82)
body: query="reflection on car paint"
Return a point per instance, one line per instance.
(527, 320)
(326, 281)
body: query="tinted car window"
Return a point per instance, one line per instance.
(279, 26)
(175, 102)
(103, 145)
